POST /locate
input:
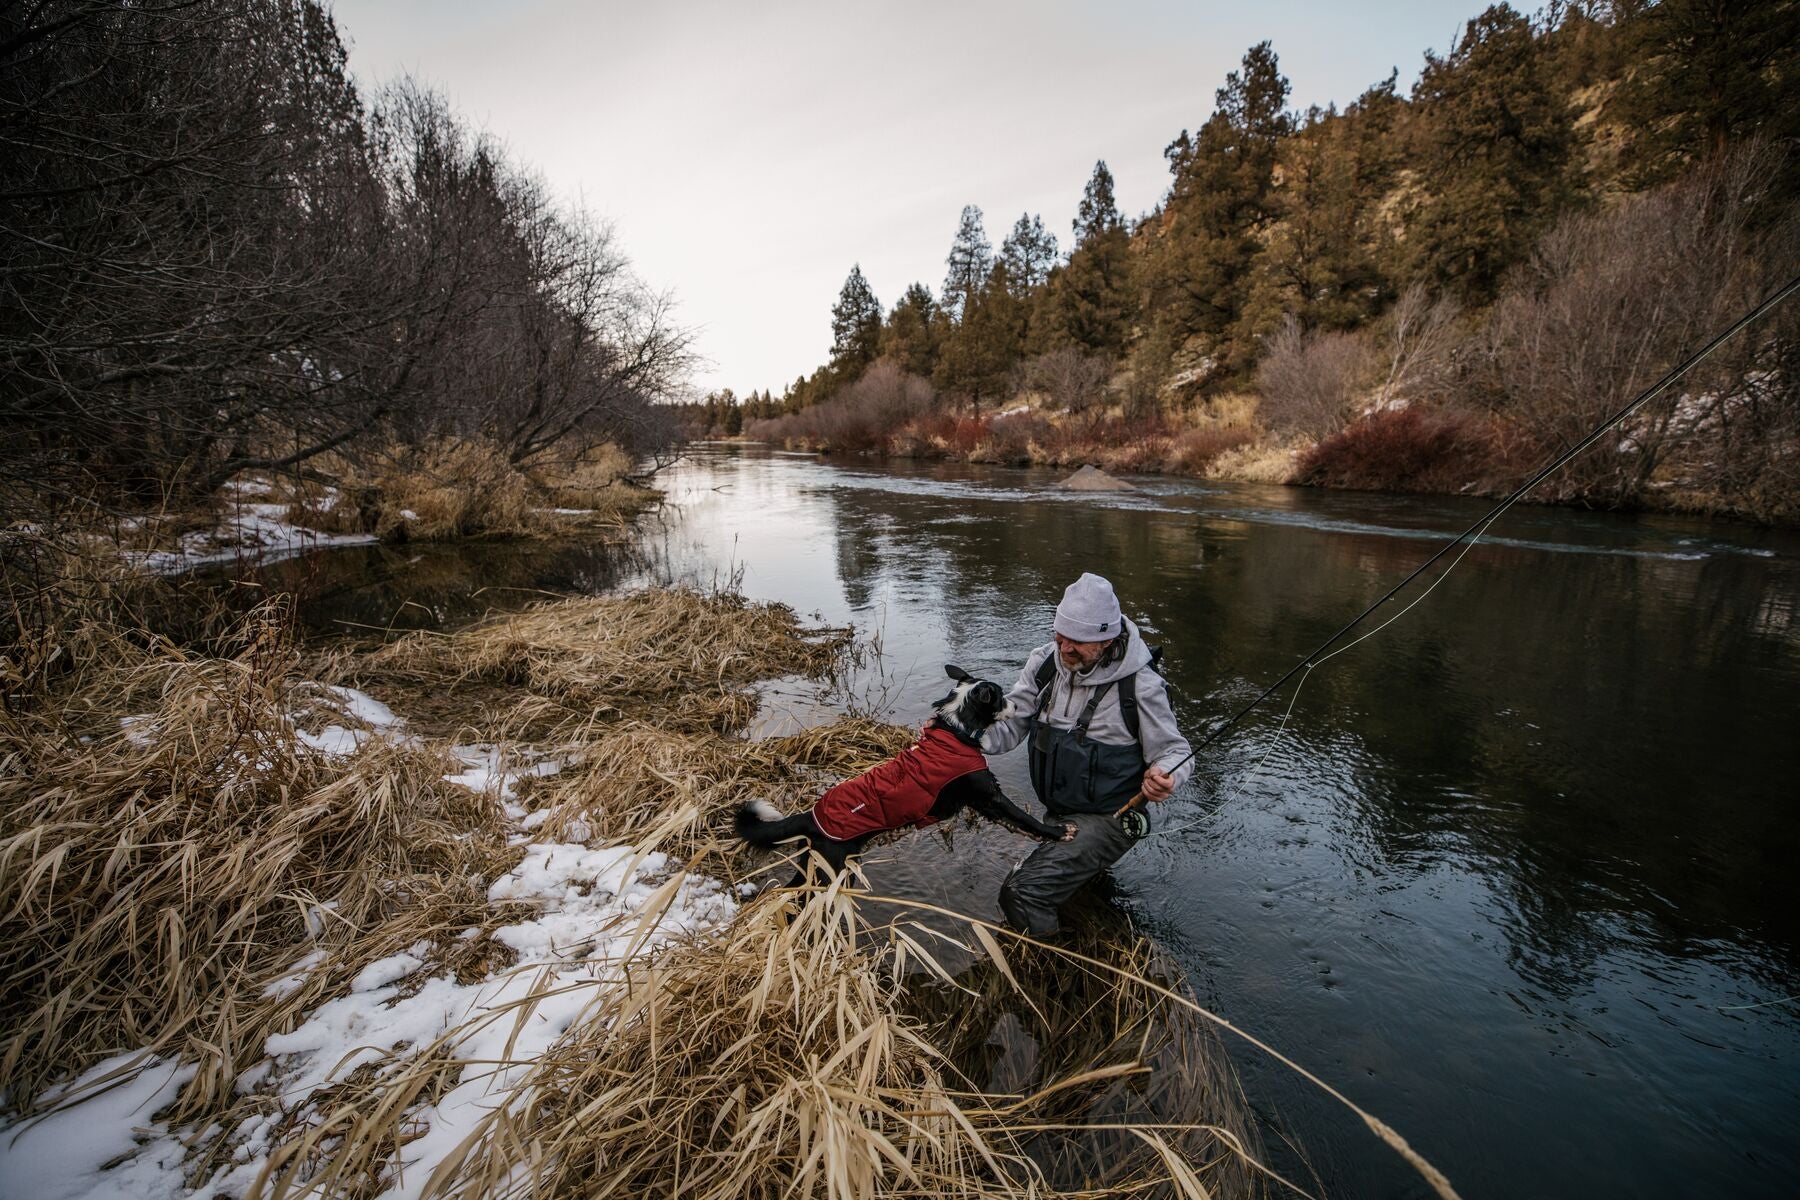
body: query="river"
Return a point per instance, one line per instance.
(1515, 874)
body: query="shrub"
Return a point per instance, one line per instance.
(1071, 380)
(1412, 449)
(859, 418)
(1192, 450)
(1309, 377)
(1010, 439)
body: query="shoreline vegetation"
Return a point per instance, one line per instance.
(406, 914)
(1427, 292)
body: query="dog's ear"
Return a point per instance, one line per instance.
(957, 673)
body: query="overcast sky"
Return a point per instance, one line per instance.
(747, 154)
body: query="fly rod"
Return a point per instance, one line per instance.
(1644, 397)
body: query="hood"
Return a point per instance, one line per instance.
(1137, 657)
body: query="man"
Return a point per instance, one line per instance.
(1100, 731)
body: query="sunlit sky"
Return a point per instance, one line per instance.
(746, 154)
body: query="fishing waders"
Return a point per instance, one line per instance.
(1082, 782)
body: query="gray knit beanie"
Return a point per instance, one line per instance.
(1089, 611)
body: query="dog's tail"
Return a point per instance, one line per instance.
(759, 823)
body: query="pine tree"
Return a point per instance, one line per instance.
(1028, 253)
(1321, 259)
(910, 336)
(1098, 213)
(1499, 144)
(1219, 207)
(855, 327)
(1707, 73)
(979, 352)
(971, 259)
(1088, 302)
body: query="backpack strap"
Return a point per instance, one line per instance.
(1128, 706)
(1128, 701)
(1046, 673)
(1087, 713)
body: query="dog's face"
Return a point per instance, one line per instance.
(973, 704)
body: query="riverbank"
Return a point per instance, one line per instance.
(397, 917)
(447, 490)
(1405, 449)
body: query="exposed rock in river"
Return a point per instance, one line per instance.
(1093, 479)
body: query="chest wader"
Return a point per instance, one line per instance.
(1072, 773)
(1083, 782)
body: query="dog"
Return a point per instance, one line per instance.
(933, 779)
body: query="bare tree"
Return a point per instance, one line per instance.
(1420, 338)
(216, 260)
(1073, 381)
(1611, 300)
(1308, 378)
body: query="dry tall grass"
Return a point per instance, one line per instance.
(449, 488)
(156, 876)
(646, 785)
(613, 657)
(780, 1059)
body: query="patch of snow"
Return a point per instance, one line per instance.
(62, 1156)
(407, 514)
(297, 973)
(365, 707)
(250, 532)
(334, 740)
(384, 971)
(490, 772)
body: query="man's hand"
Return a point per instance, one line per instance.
(1157, 786)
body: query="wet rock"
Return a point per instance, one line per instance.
(1093, 479)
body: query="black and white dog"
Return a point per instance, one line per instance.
(929, 781)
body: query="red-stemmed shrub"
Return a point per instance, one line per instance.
(1414, 449)
(1192, 450)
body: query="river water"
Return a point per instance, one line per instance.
(1516, 874)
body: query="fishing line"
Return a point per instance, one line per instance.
(1474, 531)
(1281, 727)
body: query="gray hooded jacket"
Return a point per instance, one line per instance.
(1163, 744)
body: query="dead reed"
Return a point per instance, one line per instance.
(647, 786)
(683, 653)
(160, 867)
(783, 1057)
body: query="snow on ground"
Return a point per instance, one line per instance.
(578, 911)
(249, 531)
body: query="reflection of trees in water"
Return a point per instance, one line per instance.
(1500, 726)
(403, 587)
